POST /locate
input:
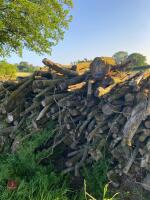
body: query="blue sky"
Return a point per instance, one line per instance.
(100, 28)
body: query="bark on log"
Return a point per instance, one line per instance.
(78, 79)
(139, 113)
(50, 99)
(46, 83)
(59, 69)
(10, 102)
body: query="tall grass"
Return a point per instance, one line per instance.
(36, 182)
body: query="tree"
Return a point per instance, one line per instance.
(26, 67)
(34, 24)
(137, 59)
(22, 66)
(7, 69)
(120, 57)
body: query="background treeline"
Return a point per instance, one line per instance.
(137, 59)
(81, 61)
(120, 57)
(26, 67)
(7, 69)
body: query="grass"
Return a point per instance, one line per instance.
(36, 182)
(96, 178)
(23, 74)
(13, 78)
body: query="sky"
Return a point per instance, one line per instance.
(100, 28)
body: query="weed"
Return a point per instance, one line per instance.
(96, 176)
(105, 194)
(37, 182)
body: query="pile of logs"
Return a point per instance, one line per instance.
(86, 121)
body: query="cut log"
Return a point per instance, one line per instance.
(59, 69)
(129, 98)
(147, 124)
(145, 133)
(7, 131)
(127, 111)
(107, 109)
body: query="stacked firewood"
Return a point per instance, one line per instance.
(86, 121)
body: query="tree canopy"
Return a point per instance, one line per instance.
(120, 56)
(137, 59)
(26, 67)
(34, 24)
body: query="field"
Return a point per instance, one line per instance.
(23, 74)
(13, 78)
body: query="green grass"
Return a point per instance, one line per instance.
(36, 182)
(23, 74)
(96, 178)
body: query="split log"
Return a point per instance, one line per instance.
(139, 113)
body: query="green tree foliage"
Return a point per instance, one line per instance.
(120, 56)
(34, 24)
(26, 67)
(81, 61)
(7, 69)
(137, 59)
